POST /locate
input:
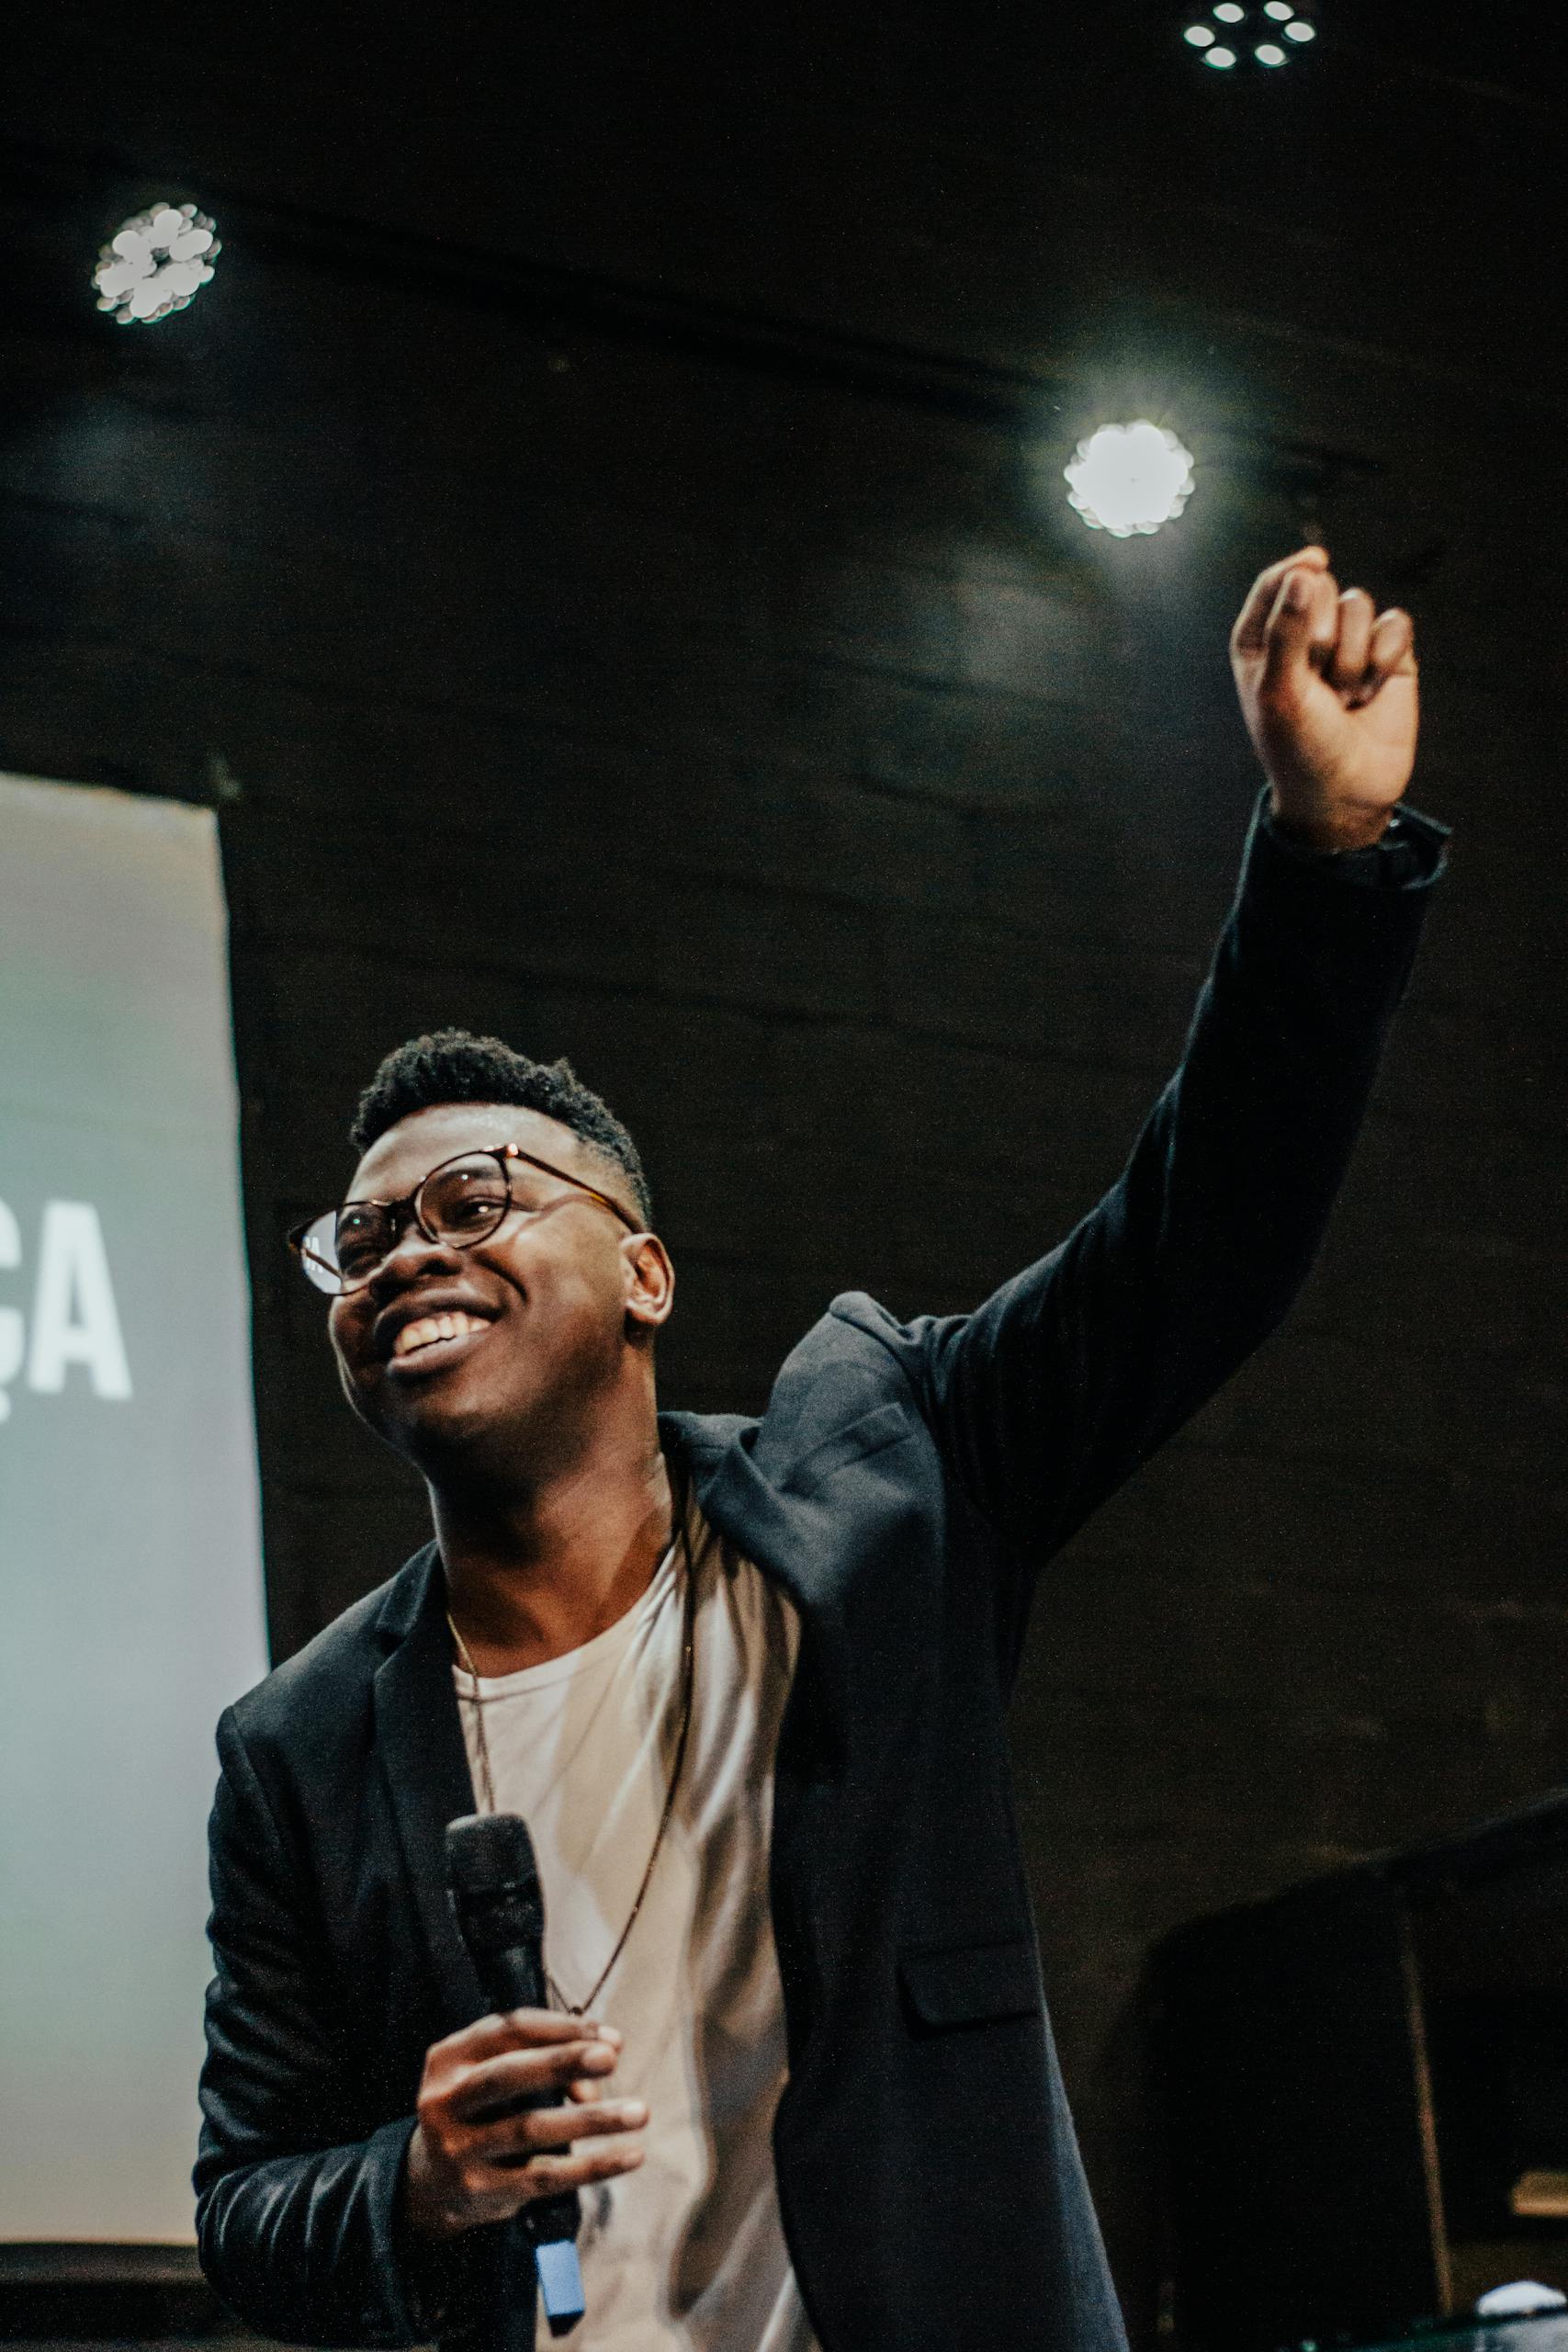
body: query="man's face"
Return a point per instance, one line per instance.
(535, 1317)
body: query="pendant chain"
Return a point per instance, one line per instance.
(688, 1678)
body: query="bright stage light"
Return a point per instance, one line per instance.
(156, 263)
(1281, 17)
(1129, 479)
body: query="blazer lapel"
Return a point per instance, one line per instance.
(419, 1738)
(734, 1497)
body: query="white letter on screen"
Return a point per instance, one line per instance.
(12, 1337)
(74, 1312)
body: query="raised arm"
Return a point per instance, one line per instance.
(1070, 1375)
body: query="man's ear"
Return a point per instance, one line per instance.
(650, 1284)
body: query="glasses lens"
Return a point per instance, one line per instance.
(466, 1199)
(318, 1253)
(362, 1234)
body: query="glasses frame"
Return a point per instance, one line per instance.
(407, 1210)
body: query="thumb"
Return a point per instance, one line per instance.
(1288, 637)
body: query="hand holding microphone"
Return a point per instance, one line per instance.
(503, 2101)
(475, 2158)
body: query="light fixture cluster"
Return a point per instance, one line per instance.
(1270, 33)
(156, 263)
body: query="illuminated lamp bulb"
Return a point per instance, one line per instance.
(1299, 29)
(156, 262)
(1198, 35)
(1269, 53)
(1280, 10)
(1129, 479)
(1228, 13)
(1221, 57)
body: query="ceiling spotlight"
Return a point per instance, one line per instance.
(1282, 21)
(1129, 479)
(154, 263)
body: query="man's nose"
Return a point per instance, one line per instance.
(411, 1255)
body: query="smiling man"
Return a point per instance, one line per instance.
(746, 1680)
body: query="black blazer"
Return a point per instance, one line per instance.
(904, 1486)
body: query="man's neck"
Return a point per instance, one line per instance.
(538, 1568)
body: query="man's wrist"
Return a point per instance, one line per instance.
(1330, 829)
(429, 2264)
(1409, 855)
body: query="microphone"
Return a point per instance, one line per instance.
(493, 1881)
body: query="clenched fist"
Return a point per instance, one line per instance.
(1328, 688)
(474, 2157)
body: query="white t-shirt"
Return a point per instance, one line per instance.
(687, 2254)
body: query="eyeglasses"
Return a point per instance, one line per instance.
(460, 1202)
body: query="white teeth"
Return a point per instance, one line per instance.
(431, 1328)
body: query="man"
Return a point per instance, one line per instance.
(746, 1680)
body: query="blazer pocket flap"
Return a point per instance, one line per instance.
(966, 1984)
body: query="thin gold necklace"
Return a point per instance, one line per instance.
(688, 1677)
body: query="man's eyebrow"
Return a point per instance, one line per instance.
(606, 1178)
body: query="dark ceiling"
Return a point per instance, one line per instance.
(961, 179)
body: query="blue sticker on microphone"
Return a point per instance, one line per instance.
(561, 2284)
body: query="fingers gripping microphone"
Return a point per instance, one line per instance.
(499, 1905)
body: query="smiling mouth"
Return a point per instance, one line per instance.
(434, 1338)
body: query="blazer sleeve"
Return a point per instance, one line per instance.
(1072, 1374)
(295, 2214)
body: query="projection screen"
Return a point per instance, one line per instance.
(131, 1590)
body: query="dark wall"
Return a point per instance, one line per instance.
(599, 540)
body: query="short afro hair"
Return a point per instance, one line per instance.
(454, 1066)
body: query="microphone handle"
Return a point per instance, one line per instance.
(514, 1978)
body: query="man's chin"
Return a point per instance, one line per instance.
(450, 1428)
(437, 1412)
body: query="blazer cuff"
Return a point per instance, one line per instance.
(415, 2289)
(1412, 854)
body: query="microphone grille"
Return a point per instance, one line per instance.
(490, 1854)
